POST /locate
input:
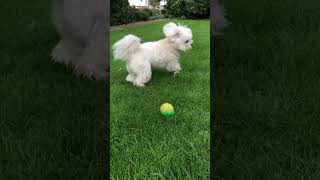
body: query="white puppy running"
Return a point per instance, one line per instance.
(164, 54)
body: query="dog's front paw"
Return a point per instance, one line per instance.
(91, 71)
(138, 84)
(130, 78)
(65, 52)
(175, 73)
(175, 68)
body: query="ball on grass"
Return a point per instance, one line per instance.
(166, 109)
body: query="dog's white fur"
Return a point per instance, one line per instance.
(164, 54)
(82, 25)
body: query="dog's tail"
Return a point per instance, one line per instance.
(126, 47)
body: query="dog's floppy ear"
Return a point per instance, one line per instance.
(170, 29)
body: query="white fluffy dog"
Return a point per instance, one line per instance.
(164, 54)
(82, 25)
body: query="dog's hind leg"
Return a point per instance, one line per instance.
(141, 80)
(65, 52)
(94, 61)
(143, 76)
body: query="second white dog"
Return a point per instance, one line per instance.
(164, 54)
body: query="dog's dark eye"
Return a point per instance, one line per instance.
(187, 41)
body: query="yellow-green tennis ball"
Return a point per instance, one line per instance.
(166, 109)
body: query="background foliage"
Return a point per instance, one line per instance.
(190, 9)
(123, 13)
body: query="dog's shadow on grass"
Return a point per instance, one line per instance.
(158, 76)
(161, 74)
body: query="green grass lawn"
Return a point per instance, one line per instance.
(268, 84)
(51, 122)
(146, 145)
